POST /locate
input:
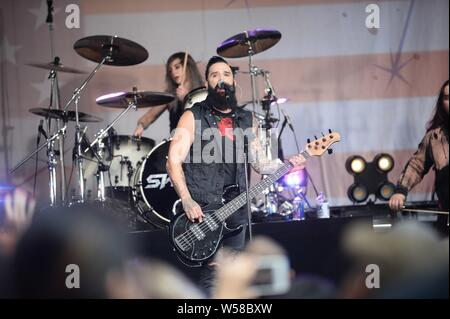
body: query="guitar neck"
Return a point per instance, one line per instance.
(226, 211)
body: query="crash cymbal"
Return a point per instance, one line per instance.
(68, 116)
(238, 46)
(56, 66)
(141, 99)
(121, 51)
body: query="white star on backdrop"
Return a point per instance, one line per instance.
(8, 51)
(41, 14)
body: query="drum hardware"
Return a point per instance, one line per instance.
(127, 100)
(153, 192)
(247, 44)
(108, 50)
(54, 107)
(195, 96)
(64, 116)
(56, 66)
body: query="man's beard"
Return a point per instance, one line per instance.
(222, 101)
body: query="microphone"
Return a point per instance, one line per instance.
(224, 86)
(41, 129)
(288, 120)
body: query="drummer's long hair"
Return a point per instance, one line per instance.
(192, 73)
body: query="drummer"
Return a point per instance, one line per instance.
(179, 82)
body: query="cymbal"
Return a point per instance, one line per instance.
(280, 100)
(56, 66)
(68, 116)
(121, 51)
(141, 99)
(238, 46)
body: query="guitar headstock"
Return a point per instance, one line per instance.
(320, 145)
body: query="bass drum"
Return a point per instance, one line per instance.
(196, 95)
(155, 196)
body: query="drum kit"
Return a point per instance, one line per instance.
(134, 166)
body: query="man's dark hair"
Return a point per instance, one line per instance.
(215, 59)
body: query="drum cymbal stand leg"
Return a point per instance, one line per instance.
(52, 163)
(101, 182)
(79, 132)
(54, 103)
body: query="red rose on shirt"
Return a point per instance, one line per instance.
(226, 127)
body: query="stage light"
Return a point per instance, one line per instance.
(355, 164)
(358, 193)
(384, 162)
(296, 179)
(386, 191)
(370, 178)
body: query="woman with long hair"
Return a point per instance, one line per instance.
(179, 85)
(432, 152)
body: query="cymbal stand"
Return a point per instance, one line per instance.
(101, 134)
(266, 103)
(102, 168)
(52, 138)
(55, 96)
(55, 103)
(253, 72)
(78, 157)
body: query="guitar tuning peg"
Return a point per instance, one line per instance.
(330, 151)
(322, 133)
(315, 137)
(329, 130)
(308, 140)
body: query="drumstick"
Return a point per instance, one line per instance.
(424, 211)
(183, 76)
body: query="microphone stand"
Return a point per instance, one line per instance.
(249, 211)
(280, 147)
(247, 193)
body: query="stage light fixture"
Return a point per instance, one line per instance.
(370, 178)
(355, 164)
(358, 193)
(385, 162)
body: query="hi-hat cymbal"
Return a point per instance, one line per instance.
(56, 66)
(120, 52)
(238, 46)
(140, 98)
(67, 116)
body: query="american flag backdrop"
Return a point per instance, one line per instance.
(377, 87)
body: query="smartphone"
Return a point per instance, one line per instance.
(273, 275)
